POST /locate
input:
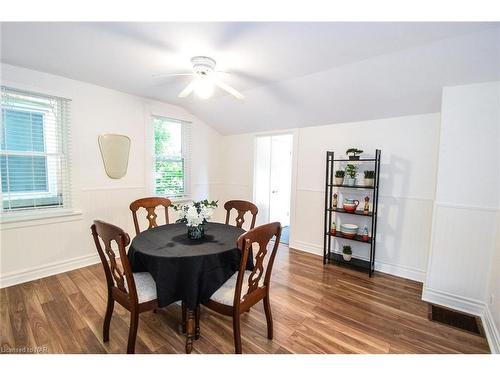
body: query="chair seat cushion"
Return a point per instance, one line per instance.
(145, 285)
(225, 294)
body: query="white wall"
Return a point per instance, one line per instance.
(235, 173)
(467, 200)
(33, 249)
(409, 160)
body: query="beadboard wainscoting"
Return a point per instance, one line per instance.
(491, 330)
(492, 311)
(46, 247)
(49, 269)
(461, 256)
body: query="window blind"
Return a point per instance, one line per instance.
(172, 150)
(34, 160)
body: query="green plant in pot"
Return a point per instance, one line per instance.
(346, 253)
(351, 171)
(353, 153)
(339, 177)
(369, 178)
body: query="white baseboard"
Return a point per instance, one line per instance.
(50, 269)
(401, 271)
(469, 306)
(306, 247)
(391, 269)
(491, 331)
(453, 301)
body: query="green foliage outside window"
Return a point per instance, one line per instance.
(169, 163)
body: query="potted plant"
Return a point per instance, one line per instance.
(351, 171)
(339, 177)
(353, 153)
(369, 178)
(346, 253)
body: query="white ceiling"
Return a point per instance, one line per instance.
(292, 74)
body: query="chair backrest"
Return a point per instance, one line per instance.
(150, 205)
(116, 276)
(255, 242)
(242, 207)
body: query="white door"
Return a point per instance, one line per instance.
(273, 178)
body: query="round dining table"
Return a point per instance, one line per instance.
(184, 269)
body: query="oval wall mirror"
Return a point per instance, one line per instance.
(115, 149)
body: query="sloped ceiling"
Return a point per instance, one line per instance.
(292, 74)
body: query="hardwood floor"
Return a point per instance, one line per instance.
(316, 309)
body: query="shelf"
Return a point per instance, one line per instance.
(358, 238)
(358, 212)
(346, 160)
(353, 186)
(359, 189)
(354, 262)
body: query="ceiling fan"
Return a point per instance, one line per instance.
(205, 79)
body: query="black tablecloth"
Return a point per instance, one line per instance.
(184, 269)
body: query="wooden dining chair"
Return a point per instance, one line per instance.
(247, 287)
(150, 205)
(134, 291)
(242, 207)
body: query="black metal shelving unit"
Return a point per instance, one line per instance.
(330, 212)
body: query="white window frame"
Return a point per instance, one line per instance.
(185, 155)
(29, 213)
(51, 172)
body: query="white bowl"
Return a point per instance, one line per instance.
(349, 228)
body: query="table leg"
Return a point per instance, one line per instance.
(197, 323)
(190, 330)
(184, 313)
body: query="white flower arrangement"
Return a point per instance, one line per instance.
(196, 213)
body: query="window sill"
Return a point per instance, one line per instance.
(180, 200)
(28, 219)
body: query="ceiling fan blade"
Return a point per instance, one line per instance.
(189, 89)
(172, 75)
(229, 89)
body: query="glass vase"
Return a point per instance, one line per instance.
(196, 232)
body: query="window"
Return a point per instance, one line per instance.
(33, 151)
(171, 159)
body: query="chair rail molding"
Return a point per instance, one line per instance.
(465, 206)
(115, 187)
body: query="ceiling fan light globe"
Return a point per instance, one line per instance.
(204, 89)
(205, 80)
